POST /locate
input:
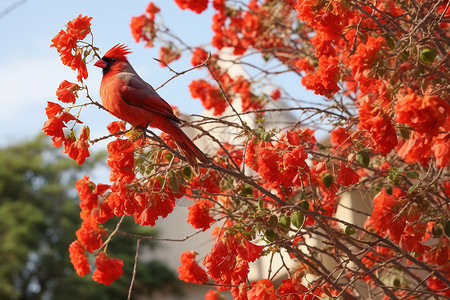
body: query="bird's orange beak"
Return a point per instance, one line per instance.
(101, 64)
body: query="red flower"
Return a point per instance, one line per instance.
(116, 126)
(108, 269)
(384, 216)
(262, 290)
(136, 25)
(65, 92)
(324, 81)
(121, 160)
(249, 251)
(447, 188)
(435, 284)
(143, 27)
(240, 270)
(195, 5)
(364, 59)
(323, 48)
(292, 289)
(339, 137)
(416, 148)
(378, 127)
(168, 55)
(221, 261)
(425, 114)
(441, 149)
(268, 161)
(78, 149)
(439, 254)
(199, 215)
(58, 118)
(85, 189)
(190, 271)
(152, 9)
(276, 94)
(158, 203)
(53, 109)
(79, 259)
(347, 176)
(90, 236)
(304, 64)
(79, 27)
(212, 295)
(209, 95)
(199, 56)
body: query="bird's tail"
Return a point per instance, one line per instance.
(187, 146)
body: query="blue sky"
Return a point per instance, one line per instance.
(31, 71)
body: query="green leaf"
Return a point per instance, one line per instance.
(413, 187)
(297, 219)
(270, 235)
(304, 204)
(447, 228)
(389, 190)
(247, 191)
(389, 41)
(285, 221)
(265, 136)
(363, 158)
(403, 56)
(260, 204)
(173, 182)
(412, 174)
(437, 230)
(404, 133)
(273, 221)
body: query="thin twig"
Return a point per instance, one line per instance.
(134, 269)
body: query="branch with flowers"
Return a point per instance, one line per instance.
(382, 68)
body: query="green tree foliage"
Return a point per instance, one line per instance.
(39, 214)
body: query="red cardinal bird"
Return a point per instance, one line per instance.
(128, 97)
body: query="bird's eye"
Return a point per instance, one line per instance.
(109, 60)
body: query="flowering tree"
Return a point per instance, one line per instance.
(382, 68)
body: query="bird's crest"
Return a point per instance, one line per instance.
(119, 52)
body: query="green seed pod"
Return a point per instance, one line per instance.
(349, 230)
(327, 179)
(428, 55)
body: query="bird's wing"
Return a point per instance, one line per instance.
(139, 93)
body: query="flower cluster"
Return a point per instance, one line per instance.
(143, 27)
(228, 261)
(75, 147)
(65, 43)
(89, 236)
(189, 270)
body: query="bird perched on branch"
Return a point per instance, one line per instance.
(128, 97)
